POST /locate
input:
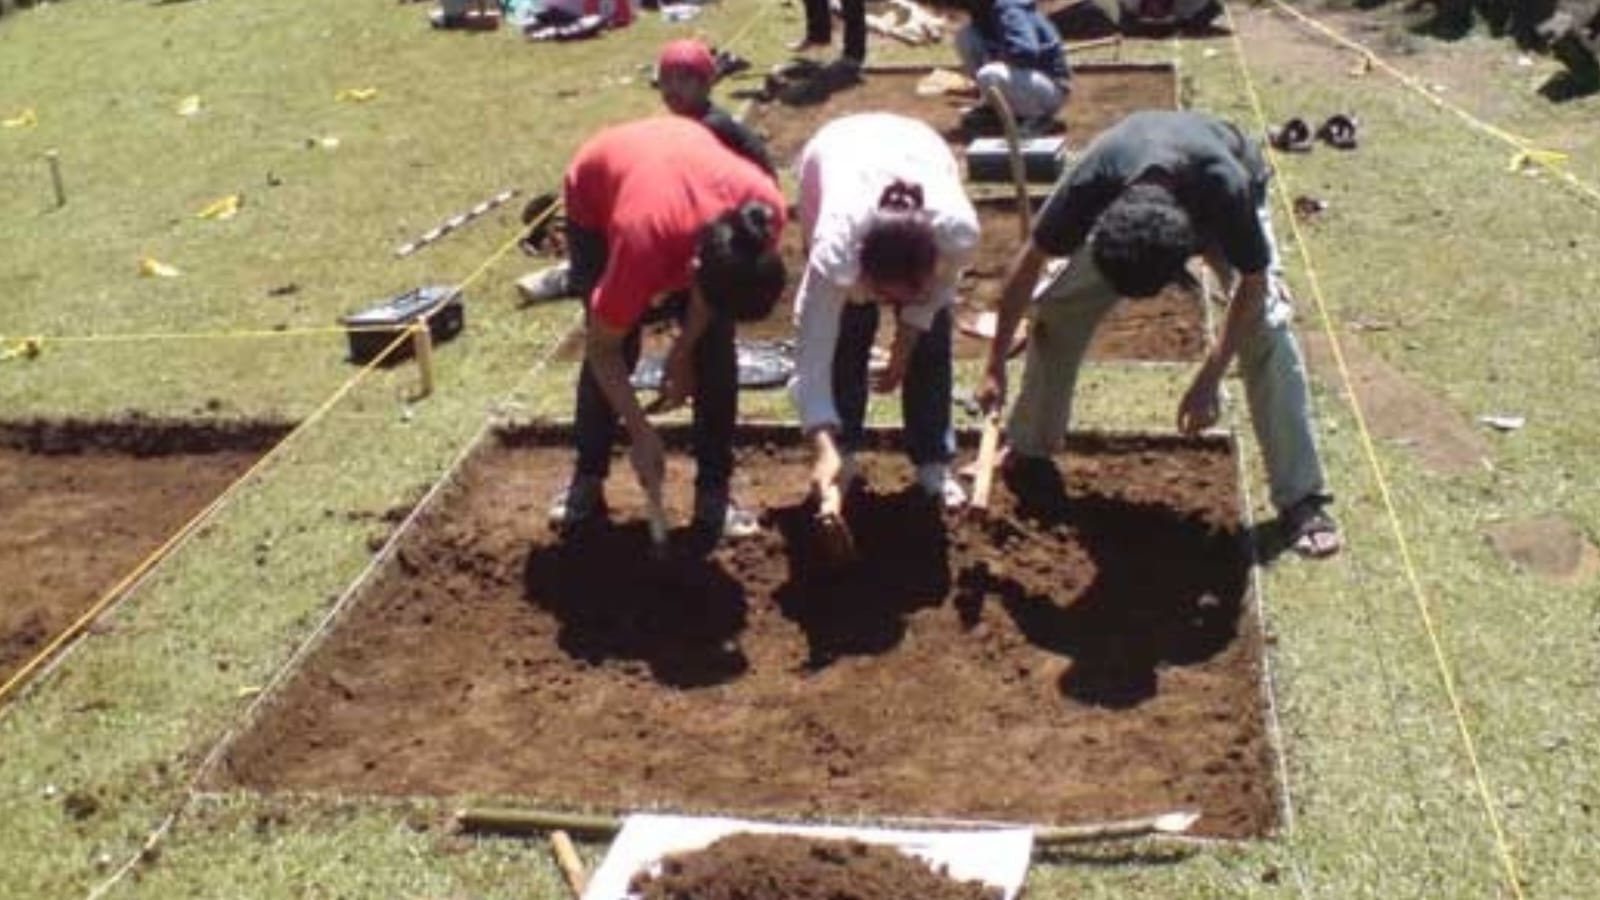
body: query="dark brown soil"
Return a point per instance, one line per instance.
(85, 502)
(1168, 327)
(776, 867)
(1076, 661)
(1102, 95)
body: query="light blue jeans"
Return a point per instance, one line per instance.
(1064, 321)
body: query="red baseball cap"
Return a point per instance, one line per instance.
(687, 54)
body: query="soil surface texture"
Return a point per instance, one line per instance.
(1102, 95)
(85, 502)
(1088, 653)
(777, 867)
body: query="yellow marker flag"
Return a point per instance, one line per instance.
(356, 95)
(189, 105)
(222, 208)
(24, 348)
(150, 267)
(25, 119)
(1529, 158)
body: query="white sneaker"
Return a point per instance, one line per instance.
(580, 500)
(937, 482)
(545, 284)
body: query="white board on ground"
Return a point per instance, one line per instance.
(996, 856)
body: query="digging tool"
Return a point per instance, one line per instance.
(988, 449)
(567, 859)
(658, 522)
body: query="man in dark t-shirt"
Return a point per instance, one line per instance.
(684, 75)
(1148, 194)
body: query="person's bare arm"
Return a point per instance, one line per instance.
(678, 385)
(1015, 295)
(1200, 407)
(603, 353)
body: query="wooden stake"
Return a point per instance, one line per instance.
(567, 858)
(422, 346)
(524, 821)
(1165, 823)
(54, 159)
(1112, 41)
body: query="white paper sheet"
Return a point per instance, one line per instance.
(997, 856)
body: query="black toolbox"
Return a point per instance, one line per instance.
(374, 328)
(1043, 158)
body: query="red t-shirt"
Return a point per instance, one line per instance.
(649, 186)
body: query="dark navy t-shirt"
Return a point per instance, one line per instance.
(1218, 176)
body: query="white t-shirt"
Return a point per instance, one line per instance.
(844, 169)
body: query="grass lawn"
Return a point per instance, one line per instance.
(1472, 282)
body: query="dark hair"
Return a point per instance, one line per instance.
(1142, 240)
(899, 246)
(741, 273)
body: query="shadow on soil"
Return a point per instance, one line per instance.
(858, 609)
(1139, 612)
(681, 616)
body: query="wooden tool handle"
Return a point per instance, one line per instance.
(567, 858)
(988, 448)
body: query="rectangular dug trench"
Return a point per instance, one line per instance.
(85, 502)
(1073, 662)
(1169, 327)
(1102, 95)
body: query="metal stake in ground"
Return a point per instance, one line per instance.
(53, 158)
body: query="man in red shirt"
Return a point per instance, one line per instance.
(663, 220)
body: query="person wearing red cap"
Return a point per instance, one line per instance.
(684, 75)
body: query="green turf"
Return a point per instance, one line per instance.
(1487, 277)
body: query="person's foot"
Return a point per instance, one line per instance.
(1036, 126)
(581, 500)
(980, 120)
(546, 284)
(806, 43)
(1035, 482)
(1309, 530)
(716, 513)
(937, 482)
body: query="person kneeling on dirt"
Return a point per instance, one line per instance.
(1012, 48)
(886, 222)
(659, 208)
(1146, 195)
(684, 75)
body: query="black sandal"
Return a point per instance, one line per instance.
(1339, 131)
(1293, 137)
(1309, 530)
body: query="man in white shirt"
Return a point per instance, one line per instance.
(886, 222)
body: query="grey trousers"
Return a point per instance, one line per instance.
(1069, 310)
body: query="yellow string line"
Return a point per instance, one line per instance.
(110, 596)
(1527, 154)
(1369, 447)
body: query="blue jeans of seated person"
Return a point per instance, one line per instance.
(716, 374)
(924, 395)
